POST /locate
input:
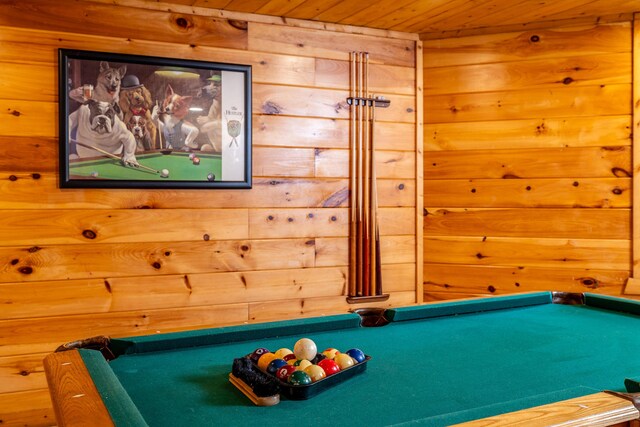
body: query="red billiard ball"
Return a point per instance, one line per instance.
(284, 372)
(196, 160)
(329, 366)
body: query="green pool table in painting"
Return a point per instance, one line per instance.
(531, 360)
(179, 165)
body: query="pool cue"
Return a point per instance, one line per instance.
(376, 271)
(366, 179)
(113, 156)
(353, 181)
(359, 187)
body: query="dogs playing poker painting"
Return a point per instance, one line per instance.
(129, 121)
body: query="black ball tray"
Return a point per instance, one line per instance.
(306, 391)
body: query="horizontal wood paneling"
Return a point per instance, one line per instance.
(565, 132)
(125, 262)
(536, 74)
(534, 192)
(589, 162)
(527, 170)
(523, 251)
(577, 101)
(496, 280)
(538, 222)
(547, 43)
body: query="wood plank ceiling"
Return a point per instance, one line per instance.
(429, 18)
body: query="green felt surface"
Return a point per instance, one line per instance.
(433, 371)
(180, 167)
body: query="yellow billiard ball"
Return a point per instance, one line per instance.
(344, 360)
(281, 353)
(315, 372)
(264, 361)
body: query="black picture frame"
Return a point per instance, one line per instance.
(132, 121)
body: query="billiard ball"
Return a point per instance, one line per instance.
(301, 364)
(357, 354)
(315, 372)
(257, 353)
(299, 378)
(283, 373)
(282, 352)
(264, 361)
(211, 177)
(191, 156)
(343, 360)
(305, 348)
(164, 173)
(288, 357)
(330, 353)
(329, 366)
(274, 365)
(196, 161)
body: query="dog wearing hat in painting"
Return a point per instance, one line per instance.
(136, 105)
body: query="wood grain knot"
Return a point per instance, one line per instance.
(156, 265)
(534, 38)
(245, 248)
(33, 249)
(89, 234)
(13, 178)
(15, 113)
(205, 237)
(270, 107)
(25, 270)
(567, 80)
(617, 191)
(401, 187)
(36, 176)
(239, 25)
(183, 23)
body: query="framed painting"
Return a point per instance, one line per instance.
(129, 121)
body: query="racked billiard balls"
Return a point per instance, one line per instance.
(305, 348)
(283, 373)
(274, 365)
(299, 378)
(357, 354)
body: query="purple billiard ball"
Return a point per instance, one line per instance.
(257, 353)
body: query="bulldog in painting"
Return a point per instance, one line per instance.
(97, 125)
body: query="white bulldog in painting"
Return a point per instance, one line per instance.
(98, 125)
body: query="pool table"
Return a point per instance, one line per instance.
(180, 167)
(531, 360)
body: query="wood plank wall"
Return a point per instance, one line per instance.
(165, 260)
(527, 165)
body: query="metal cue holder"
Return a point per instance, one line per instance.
(365, 278)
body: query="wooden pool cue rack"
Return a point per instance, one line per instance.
(365, 277)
